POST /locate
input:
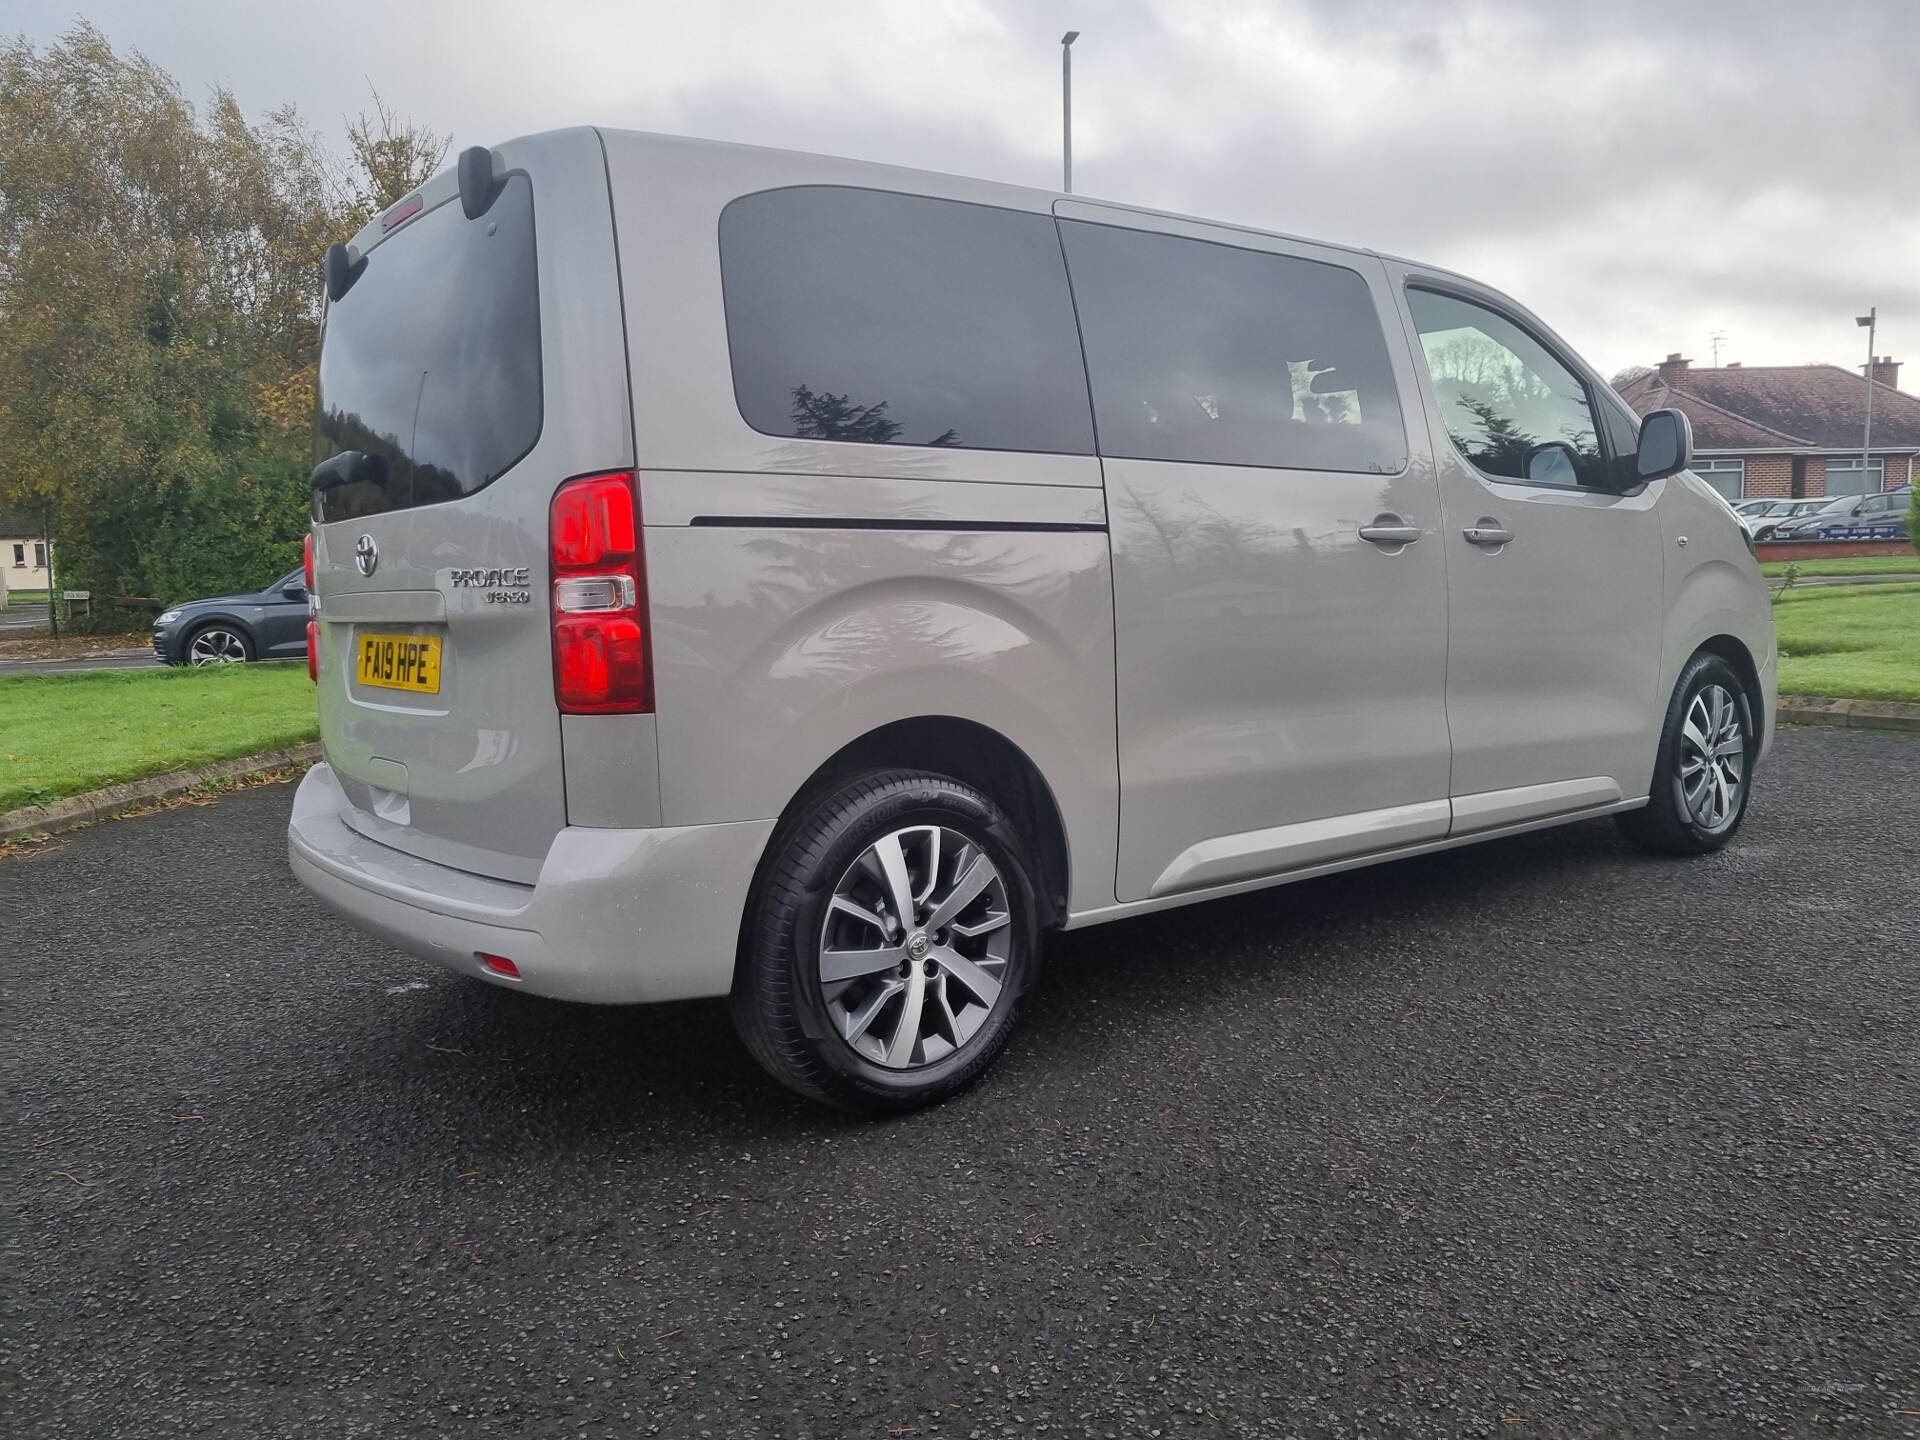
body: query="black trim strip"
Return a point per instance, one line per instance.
(828, 522)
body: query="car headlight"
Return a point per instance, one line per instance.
(166, 618)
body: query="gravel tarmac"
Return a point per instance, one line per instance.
(1542, 1137)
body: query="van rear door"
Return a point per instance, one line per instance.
(471, 365)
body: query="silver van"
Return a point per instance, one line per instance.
(756, 574)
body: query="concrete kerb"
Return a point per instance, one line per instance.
(1854, 714)
(103, 804)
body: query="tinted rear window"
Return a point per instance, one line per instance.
(892, 319)
(432, 359)
(1206, 352)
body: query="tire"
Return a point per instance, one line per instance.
(217, 644)
(1681, 817)
(853, 1040)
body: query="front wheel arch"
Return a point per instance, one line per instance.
(249, 645)
(1730, 649)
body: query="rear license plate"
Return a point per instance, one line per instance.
(401, 662)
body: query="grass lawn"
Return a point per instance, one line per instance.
(64, 734)
(1856, 642)
(38, 596)
(1908, 564)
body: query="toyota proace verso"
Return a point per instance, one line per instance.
(756, 574)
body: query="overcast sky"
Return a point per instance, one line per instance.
(1640, 172)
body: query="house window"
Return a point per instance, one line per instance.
(39, 556)
(1843, 477)
(20, 557)
(1729, 477)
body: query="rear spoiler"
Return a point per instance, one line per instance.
(480, 184)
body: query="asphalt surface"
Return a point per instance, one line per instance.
(1539, 1138)
(73, 665)
(24, 615)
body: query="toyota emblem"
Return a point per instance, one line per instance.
(366, 555)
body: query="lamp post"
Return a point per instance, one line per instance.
(1066, 109)
(1866, 440)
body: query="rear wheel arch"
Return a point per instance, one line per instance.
(975, 755)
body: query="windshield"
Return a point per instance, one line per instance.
(432, 359)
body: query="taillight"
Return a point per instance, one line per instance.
(313, 651)
(307, 562)
(600, 660)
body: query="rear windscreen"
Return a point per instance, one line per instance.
(432, 359)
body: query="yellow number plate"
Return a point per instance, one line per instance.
(401, 662)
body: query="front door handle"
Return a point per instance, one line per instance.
(1389, 529)
(1489, 532)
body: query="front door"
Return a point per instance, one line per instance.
(1279, 587)
(1555, 579)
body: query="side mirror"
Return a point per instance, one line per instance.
(1553, 463)
(1666, 445)
(295, 591)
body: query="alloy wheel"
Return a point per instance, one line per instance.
(216, 647)
(1712, 770)
(914, 946)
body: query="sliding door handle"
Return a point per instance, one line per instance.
(1389, 529)
(1488, 532)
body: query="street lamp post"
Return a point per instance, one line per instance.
(1866, 440)
(1066, 109)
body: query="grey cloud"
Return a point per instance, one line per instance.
(1639, 171)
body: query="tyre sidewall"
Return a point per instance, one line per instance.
(186, 646)
(907, 801)
(1704, 671)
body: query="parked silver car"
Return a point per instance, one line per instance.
(757, 574)
(1764, 517)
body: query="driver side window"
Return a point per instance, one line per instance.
(1511, 408)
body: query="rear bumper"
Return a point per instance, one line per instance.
(616, 916)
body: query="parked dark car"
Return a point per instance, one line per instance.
(1880, 516)
(1764, 517)
(271, 625)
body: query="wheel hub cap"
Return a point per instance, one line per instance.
(1712, 773)
(914, 946)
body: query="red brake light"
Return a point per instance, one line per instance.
(601, 664)
(405, 210)
(593, 522)
(313, 651)
(307, 561)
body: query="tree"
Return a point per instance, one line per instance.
(160, 293)
(1626, 377)
(394, 157)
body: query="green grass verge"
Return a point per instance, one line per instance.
(66, 734)
(1847, 565)
(36, 595)
(1853, 642)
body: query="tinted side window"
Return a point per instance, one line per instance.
(432, 359)
(1210, 353)
(1502, 394)
(901, 320)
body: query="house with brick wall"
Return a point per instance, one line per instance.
(1788, 430)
